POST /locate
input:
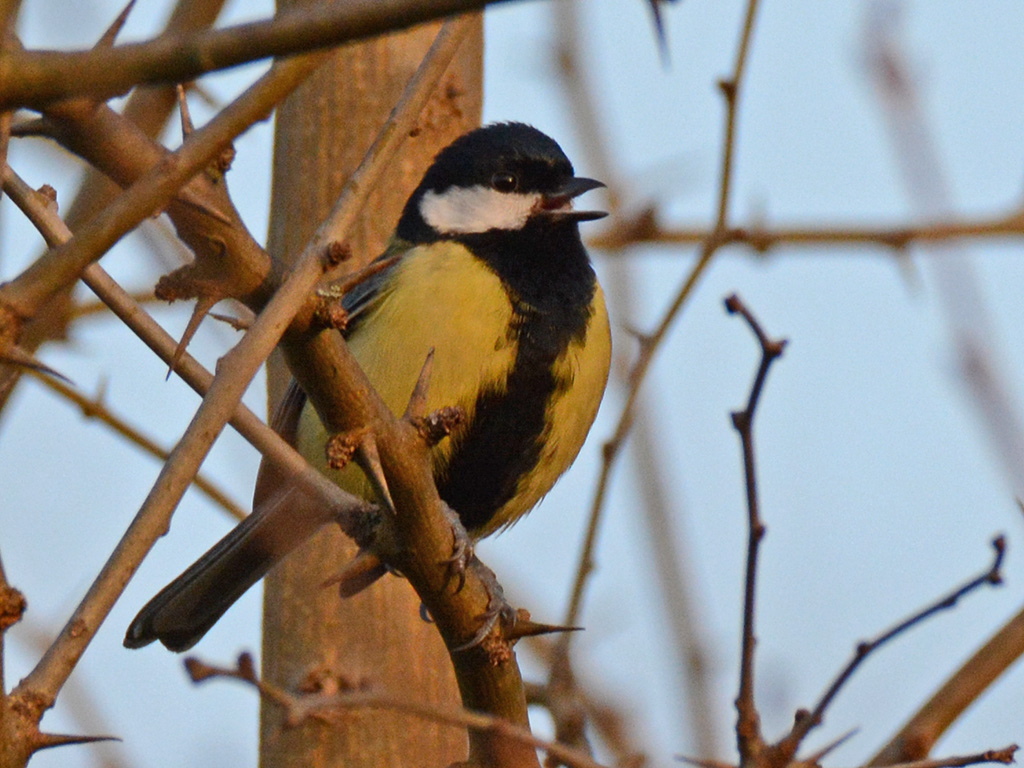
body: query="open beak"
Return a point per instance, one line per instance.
(558, 206)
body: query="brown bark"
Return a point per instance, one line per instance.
(323, 130)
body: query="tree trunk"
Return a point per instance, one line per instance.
(378, 637)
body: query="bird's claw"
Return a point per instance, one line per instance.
(462, 549)
(498, 610)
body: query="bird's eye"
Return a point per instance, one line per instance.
(504, 182)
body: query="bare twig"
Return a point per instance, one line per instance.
(666, 540)
(649, 344)
(806, 721)
(959, 290)
(748, 726)
(330, 705)
(761, 239)
(1005, 756)
(95, 408)
(923, 729)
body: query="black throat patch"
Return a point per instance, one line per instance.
(550, 283)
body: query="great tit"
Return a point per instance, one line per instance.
(492, 275)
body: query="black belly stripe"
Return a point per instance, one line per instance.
(504, 440)
(551, 286)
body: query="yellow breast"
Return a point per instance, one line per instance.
(440, 296)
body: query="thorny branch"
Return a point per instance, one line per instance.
(63, 265)
(36, 78)
(147, 108)
(341, 696)
(321, 352)
(748, 728)
(247, 423)
(229, 384)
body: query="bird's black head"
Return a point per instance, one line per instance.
(495, 178)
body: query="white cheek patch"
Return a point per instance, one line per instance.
(462, 210)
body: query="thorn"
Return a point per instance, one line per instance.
(47, 740)
(375, 471)
(186, 118)
(15, 355)
(110, 35)
(822, 753)
(362, 571)
(203, 306)
(204, 209)
(417, 406)
(528, 628)
(238, 323)
(641, 336)
(38, 126)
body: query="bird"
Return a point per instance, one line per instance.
(490, 272)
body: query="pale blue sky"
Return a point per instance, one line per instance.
(879, 485)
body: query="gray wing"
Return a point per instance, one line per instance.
(358, 301)
(187, 607)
